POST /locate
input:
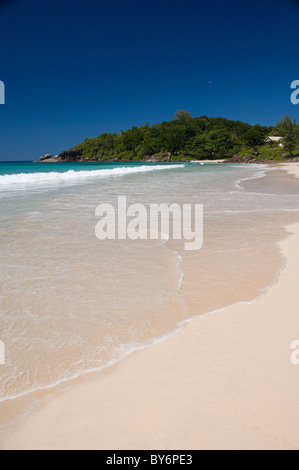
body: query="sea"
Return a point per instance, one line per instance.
(72, 305)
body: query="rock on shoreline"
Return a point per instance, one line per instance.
(75, 156)
(66, 156)
(71, 156)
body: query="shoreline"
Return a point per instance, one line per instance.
(218, 383)
(292, 169)
(188, 376)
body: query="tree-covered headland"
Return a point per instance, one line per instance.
(191, 138)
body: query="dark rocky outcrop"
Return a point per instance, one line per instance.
(70, 156)
(66, 156)
(164, 157)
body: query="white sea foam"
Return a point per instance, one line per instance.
(71, 175)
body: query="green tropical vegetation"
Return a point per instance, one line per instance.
(192, 138)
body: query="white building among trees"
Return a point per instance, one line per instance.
(271, 139)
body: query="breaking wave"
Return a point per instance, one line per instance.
(71, 175)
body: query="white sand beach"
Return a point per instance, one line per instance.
(225, 382)
(291, 168)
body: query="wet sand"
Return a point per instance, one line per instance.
(225, 382)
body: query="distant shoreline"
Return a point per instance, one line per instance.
(234, 160)
(55, 160)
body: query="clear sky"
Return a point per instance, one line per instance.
(74, 69)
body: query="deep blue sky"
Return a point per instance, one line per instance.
(74, 69)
